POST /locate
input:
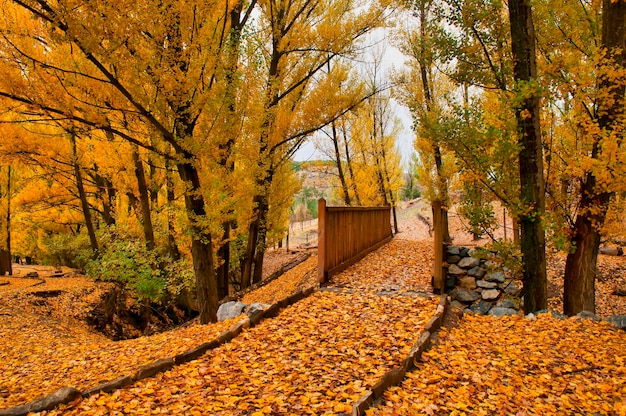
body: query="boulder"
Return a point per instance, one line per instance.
(464, 295)
(481, 308)
(618, 321)
(453, 259)
(467, 282)
(508, 303)
(477, 272)
(486, 285)
(498, 311)
(469, 262)
(512, 289)
(455, 270)
(229, 310)
(495, 277)
(490, 294)
(588, 315)
(453, 251)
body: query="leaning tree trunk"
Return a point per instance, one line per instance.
(144, 200)
(532, 185)
(580, 267)
(83, 198)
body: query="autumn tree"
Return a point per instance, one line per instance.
(299, 97)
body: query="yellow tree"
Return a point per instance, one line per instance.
(113, 65)
(301, 38)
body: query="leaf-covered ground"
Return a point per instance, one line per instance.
(41, 352)
(317, 357)
(517, 366)
(401, 265)
(301, 277)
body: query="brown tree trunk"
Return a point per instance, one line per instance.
(342, 176)
(144, 200)
(580, 266)
(350, 169)
(83, 198)
(8, 224)
(201, 245)
(172, 247)
(530, 158)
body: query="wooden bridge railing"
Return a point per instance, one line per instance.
(347, 234)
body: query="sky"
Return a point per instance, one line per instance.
(392, 58)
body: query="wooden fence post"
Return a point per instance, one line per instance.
(321, 240)
(438, 277)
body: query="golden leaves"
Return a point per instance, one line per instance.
(40, 353)
(513, 364)
(317, 357)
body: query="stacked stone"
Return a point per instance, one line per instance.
(478, 288)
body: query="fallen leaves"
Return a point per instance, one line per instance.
(514, 365)
(301, 277)
(398, 265)
(317, 357)
(40, 353)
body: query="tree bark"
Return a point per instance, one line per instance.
(342, 176)
(144, 200)
(201, 244)
(8, 225)
(83, 198)
(172, 247)
(580, 266)
(530, 158)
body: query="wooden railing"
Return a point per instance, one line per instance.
(347, 234)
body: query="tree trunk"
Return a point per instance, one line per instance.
(83, 198)
(530, 158)
(8, 224)
(172, 247)
(342, 176)
(580, 267)
(201, 244)
(144, 200)
(350, 169)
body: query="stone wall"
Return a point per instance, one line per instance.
(477, 285)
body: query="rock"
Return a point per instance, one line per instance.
(453, 259)
(255, 312)
(553, 313)
(477, 272)
(531, 316)
(469, 262)
(464, 295)
(481, 308)
(467, 282)
(512, 289)
(618, 321)
(464, 252)
(453, 251)
(486, 285)
(455, 270)
(495, 277)
(490, 294)
(229, 310)
(498, 311)
(508, 303)
(450, 282)
(588, 315)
